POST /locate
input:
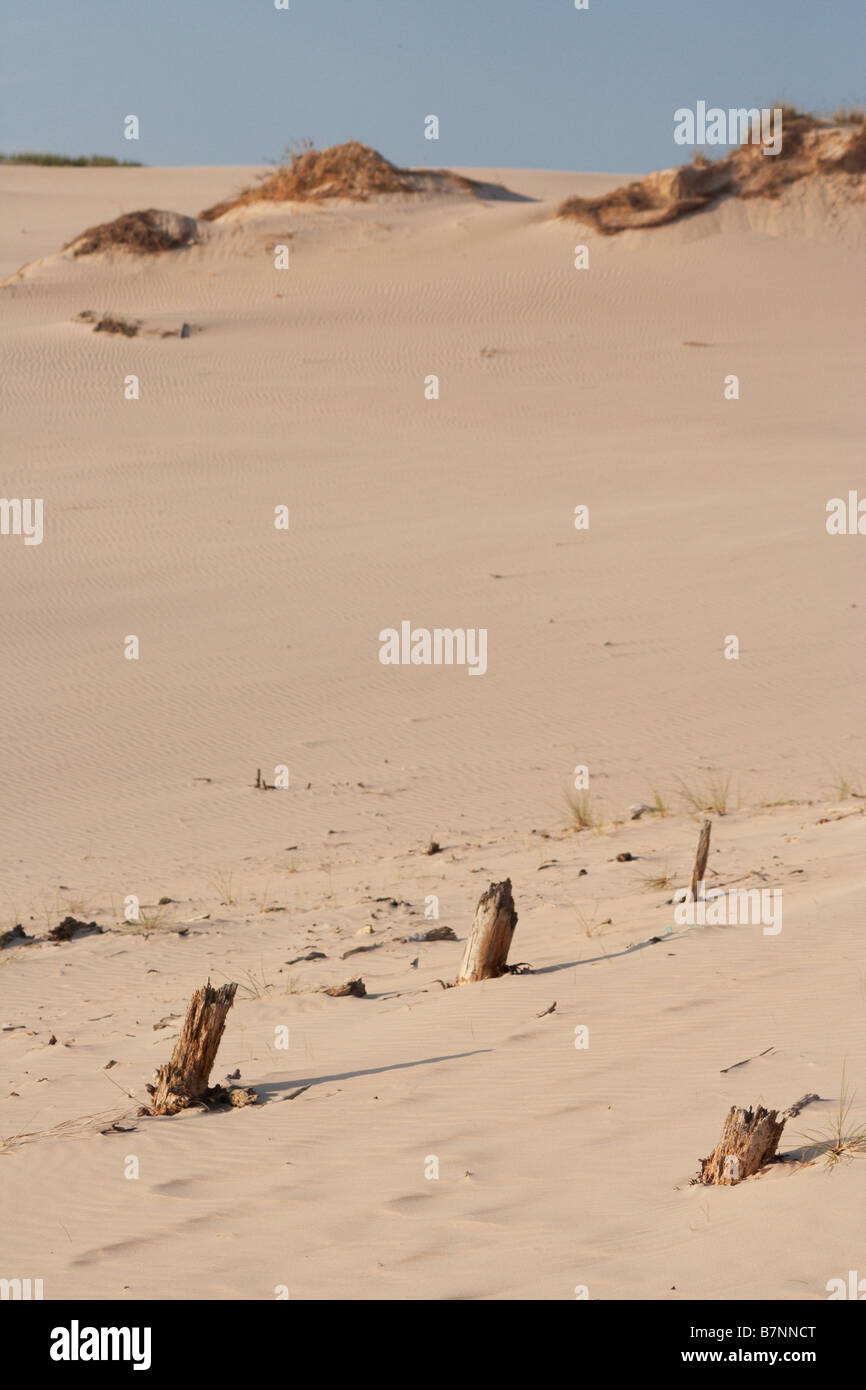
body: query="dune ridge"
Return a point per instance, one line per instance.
(352, 171)
(811, 149)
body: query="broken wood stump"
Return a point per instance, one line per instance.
(490, 937)
(184, 1080)
(749, 1140)
(701, 857)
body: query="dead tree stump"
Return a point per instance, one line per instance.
(184, 1080)
(490, 937)
(701, 857)
(749, 1140)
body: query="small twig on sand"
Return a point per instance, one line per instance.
(734, 1065)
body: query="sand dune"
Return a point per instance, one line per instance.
(259, 648)
(352, 172)
(818, 151)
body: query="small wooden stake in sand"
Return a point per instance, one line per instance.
(701, 857)
(490, 937)
(749, 1140)
(184, 1080)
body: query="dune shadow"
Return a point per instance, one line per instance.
(806, 1153)
(611, 955)
(273, 1089)
(498, 193)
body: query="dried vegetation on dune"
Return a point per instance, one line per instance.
(810, 148)
(143, 233)
(352, 170)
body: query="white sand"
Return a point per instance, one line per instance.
(259, 648)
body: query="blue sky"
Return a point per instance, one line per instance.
(520, 83)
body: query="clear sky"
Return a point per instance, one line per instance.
(520, 83)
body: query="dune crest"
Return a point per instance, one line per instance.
(352, 170)
(811, 149)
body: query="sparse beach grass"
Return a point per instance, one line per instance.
(841, 1139)
(656, 882)
(153, 916)
(847, 786)
(222, 882)
(591, 925)
(713, 795)
(582, 811)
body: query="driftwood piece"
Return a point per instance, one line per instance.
(749, 1140)
(745, 1061)
(349, 987)
(701, 857)
(237, 1096)
(808, 1099)
(184, 1080)
(434, 934)
(490, 937)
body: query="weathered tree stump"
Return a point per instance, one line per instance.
(749, 1140)
(490, 937)
(701, 857)
(184, 1080)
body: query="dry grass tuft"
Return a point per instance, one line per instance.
(582, 811)
(656, 882)
(590, 923)
(847, 787)
(714, 796)
(101, 1122)
(849, 115)
(109, 323)
(223, 881)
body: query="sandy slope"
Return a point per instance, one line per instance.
(558, 1166)
(305, 387)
